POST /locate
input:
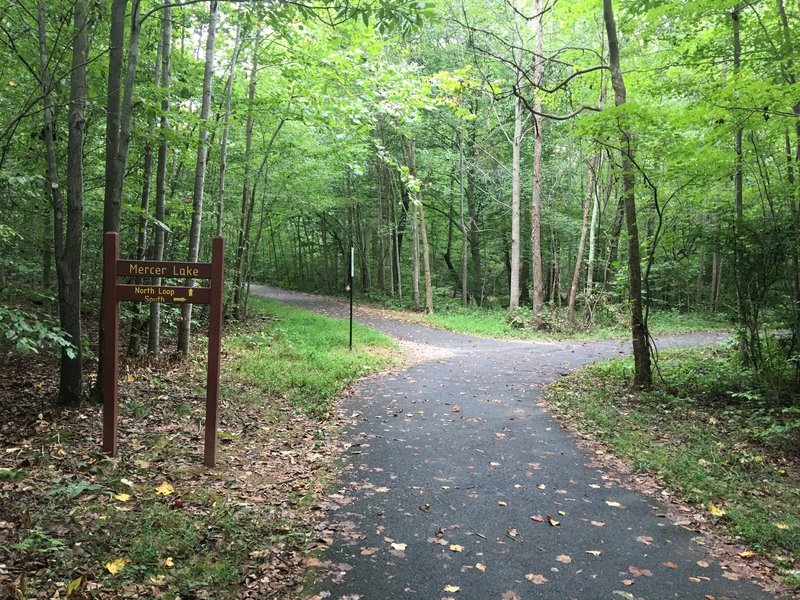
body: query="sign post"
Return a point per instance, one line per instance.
(114, 293)
(350, 287)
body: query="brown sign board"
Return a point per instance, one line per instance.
(113, 293)
(163, 293)
(157, 268)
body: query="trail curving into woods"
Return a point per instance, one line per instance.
(458, 484)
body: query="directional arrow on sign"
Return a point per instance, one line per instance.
(179, 299)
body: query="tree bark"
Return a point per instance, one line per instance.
(67, 249)
(154, 332)
(226, 121)
(590, 263)
(641, 343)
(185, 324)
(137, 322)
(516, 187)
(576, 276)
(537, 296)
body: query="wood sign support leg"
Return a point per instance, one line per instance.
(214, 348)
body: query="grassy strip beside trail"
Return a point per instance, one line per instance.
(707, 436)
(154, 522)
(496, 323)
(305, 357)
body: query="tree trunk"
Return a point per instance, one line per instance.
(741, 284)
(589, 301)
(643, 377)
(576, 276)
(420, 231)
(137, 322)
(67, 249)
(537, 296)
(154, 333)
(226, 121)
(111, 199)
(516, 149)
(185, 324)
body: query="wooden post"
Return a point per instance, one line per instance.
(110, 342)
(214, 348)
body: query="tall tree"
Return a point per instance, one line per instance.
(154, 328)
(185, 325)
(643, 377)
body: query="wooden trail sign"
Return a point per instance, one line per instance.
(114, 293)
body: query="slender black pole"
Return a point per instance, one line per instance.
(352, 268)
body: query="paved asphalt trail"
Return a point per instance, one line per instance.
(457, 451)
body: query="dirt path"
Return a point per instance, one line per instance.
(457, 478)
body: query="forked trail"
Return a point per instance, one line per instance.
(457, 484)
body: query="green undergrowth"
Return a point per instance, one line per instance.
(498, 323)
(708, 433)
(305, 356)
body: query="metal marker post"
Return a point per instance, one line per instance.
(352, 269)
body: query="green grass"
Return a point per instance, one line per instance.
(704, 436)
(305, 356)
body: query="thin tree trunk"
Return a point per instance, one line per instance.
(137, 322)
(741, 284)
(516, 190)
(474, 213)
(112, 197)
(226, 121)
(246, 184)
(537, 297)
(185, 324)
(420, 231)
(67, 250)
(576, 276)
(641, 344)
(589, 301)
(154, 333)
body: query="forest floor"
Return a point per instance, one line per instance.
(154, 522)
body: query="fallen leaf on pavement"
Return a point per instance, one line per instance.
(552, 521)
(594, 552)
(563, 558)
(451, 589)
(481, 567)
(399, 547)
(456, 548)
(535, 578)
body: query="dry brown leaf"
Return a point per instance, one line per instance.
(536, 579)
(564, 558)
